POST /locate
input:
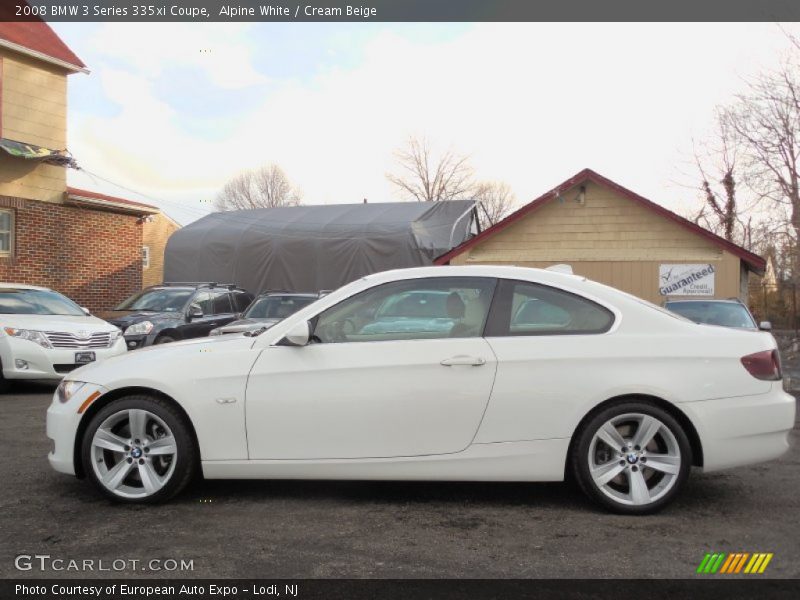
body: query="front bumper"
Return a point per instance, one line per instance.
(63, 420)
(46, 363)
(744, 430)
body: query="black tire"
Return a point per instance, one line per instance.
(582, 444)
(164, 339)
(186, 461)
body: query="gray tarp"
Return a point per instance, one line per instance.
(312, 248)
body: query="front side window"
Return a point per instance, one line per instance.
(433, 308)
(6, 232)
(204, 301)
(525, 308)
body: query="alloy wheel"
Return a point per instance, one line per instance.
(634, 459)
(133, 453)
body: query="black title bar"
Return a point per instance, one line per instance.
(150, 11)
(708, 588)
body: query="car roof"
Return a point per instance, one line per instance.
(195, 287)
(22, 286)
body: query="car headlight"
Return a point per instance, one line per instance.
(139, 328)
(67, 389)
(37, 337)
(217, 331)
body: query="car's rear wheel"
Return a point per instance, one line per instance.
(632, 458)
(139, 449)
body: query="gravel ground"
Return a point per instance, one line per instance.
(360, 529)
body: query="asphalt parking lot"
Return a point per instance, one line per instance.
(362, 529)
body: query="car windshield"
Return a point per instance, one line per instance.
(37, 302)
(276, 307)
(157, 300)
(725, 314)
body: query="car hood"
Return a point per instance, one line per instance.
(68, 323)
(126, 318)
(158, 362)
(248, 325)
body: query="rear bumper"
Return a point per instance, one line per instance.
(743, 430)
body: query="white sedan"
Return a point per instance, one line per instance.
(478, 373)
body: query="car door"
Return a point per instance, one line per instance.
(376, 382)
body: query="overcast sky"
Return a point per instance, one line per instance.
(173, 110)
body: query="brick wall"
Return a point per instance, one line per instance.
(155, 235)
(91, 256)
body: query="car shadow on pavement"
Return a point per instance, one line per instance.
(389, 492)
(30, 388)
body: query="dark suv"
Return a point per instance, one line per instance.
(176, 311)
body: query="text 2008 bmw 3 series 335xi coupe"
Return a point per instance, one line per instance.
(438, 373)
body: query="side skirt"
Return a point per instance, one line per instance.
(539, 460)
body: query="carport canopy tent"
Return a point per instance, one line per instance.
(313, 248)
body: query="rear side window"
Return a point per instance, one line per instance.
(241, 300)
(522, 308)
(221, 304)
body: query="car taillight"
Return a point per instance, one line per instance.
(763, 365)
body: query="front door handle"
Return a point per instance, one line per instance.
(461, 360)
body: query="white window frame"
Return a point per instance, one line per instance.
(10, 232)
(145, 257)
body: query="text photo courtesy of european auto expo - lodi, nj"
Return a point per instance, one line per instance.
(398, 299)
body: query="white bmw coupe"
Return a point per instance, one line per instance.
(437, 373)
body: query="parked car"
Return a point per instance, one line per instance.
(266, 310)
(725, 313)
(45, 335)
(618, 393)
(170, 312)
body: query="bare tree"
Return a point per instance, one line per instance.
(496, 201)
(264, 187)
(716, 165)
(766, 119)
(425, 178)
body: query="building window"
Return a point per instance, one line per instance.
(6, 232)
(146, 257)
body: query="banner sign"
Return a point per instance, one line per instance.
(686, 280)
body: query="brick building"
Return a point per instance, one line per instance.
(83, 244)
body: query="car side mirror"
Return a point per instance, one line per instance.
(195, 312)
(86, 311)
(765, 326)
(298, 335)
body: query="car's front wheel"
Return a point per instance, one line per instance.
(139, 449)
(632, 457)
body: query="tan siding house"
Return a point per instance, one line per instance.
(155, 234)
(612, 235)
